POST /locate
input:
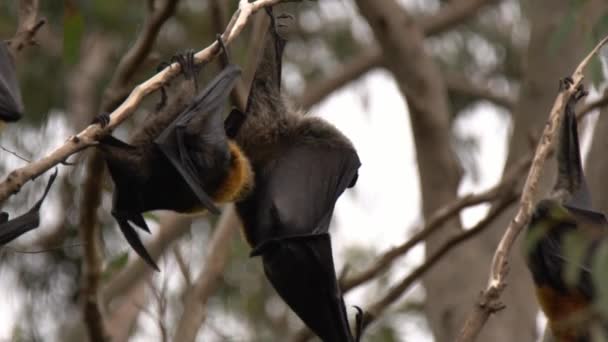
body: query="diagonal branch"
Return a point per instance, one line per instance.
(451, 15)
(89, 136)
(394, 293)
(489, 301)
(437, 220)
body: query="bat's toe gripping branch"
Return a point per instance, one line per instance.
(223, 49)
(358, 323)
(187, 64)
(102, 119)
(565, 83)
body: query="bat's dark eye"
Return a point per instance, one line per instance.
(354, 180)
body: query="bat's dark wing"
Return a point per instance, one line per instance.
(172, 140)
(301, 269)
(287, 218)
(127, 199)
(296, 193)
(549, 259)
(11, 105)
(10, 230)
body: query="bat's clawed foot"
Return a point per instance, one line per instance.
(187, 64)
(223, 49)
(565, 83)
(579, 92)
(102, 119)
(358, 323)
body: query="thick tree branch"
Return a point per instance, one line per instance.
(451, 15)
(195, 299)
(463, 86)
(489, 301)
(89, 225)
(89, 136)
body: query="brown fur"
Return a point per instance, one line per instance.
(239, 180)
(560, 310)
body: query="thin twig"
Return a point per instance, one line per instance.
(498, 270)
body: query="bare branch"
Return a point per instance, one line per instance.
(28, 25)
(131, 61)
(196, 296)
(593, 105)
(453, 14)
(376, 309)
(89, 136)
(181, 263)
(498, 270)
(461, 85)
(437, 220)
(173, 226)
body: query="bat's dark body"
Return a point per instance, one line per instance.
(567, 211)
(180, 159)
(10, 230)
(302, 165)
(11, 106)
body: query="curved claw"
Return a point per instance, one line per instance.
(225, 55)
(103, 119)
(358, 323)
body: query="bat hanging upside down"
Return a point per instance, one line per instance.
(302, 165)
(180, 159)
(567, 212)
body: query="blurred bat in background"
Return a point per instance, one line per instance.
(10, 230)
(567, 211)
(11, 105)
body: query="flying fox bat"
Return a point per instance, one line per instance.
(568, 210)
(10, 230)
(302, 165)
(180, 159)
(11, 105)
